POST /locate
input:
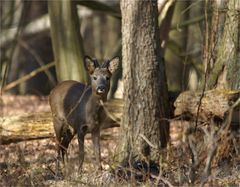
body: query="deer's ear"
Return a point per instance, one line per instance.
(113, 64)
(90, 64)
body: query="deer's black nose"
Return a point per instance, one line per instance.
(101, 90)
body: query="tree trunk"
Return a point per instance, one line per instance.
(67, 41)
(176, 67)
(145, 88)
(225, 71)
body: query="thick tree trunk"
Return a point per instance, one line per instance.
(145, 88)
(67, 41)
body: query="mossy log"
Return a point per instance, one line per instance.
(39, 125)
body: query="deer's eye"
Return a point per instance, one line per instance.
(107, 77)
(95, 78)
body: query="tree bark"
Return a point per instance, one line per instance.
(145, 88)
(67, 41)
(225, 72)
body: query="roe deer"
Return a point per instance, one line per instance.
(76, 108)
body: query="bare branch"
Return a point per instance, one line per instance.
(148, 142)
(26, 77)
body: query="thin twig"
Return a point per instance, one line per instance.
(50, 169)
(207, 67)
(148, 142)
(38, 60)
(187, 23)
(159, 177)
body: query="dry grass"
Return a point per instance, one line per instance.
(33, 163)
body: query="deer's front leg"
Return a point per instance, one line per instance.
(96, 146)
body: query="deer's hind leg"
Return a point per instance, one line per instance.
(67, 136)
(64, 135)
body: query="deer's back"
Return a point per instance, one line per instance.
(68, 102)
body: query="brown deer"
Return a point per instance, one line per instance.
(76, 108)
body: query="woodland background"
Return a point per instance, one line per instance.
(44, 42)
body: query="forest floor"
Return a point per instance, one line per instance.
(33, 163)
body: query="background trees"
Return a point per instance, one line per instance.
(67, 41)
(26, 20)
(30, 22)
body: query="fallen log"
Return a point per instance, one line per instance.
(213, 104)
(25, 127)
(39, 125)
